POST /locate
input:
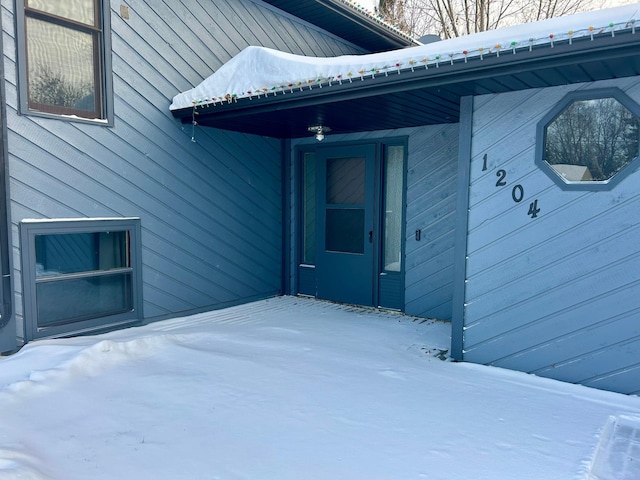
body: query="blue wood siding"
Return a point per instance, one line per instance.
(390, 294)
(430, 206)
(555, 295)
(211, 210)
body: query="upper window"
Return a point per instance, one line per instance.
(64, 62)
(590, 139)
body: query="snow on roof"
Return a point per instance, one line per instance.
(259, 71)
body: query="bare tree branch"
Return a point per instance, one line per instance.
(453, 18)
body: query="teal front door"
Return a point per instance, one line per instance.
(346, 236)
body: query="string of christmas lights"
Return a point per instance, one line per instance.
(405, 64)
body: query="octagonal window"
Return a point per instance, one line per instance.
(590, 139)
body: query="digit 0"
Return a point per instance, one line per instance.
(517, 193)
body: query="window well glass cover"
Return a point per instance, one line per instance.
(81, 276)
(74, 300)
(69, 253)
(592, 140)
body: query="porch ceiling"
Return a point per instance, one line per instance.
(423, 97)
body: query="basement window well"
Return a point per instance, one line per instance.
(590, 140)
(80, 275)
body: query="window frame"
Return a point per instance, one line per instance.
(556, 111)
(403, 205)
(102, 64)
(29, 229)
(303, 261)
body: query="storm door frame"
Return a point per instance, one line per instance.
(388, 288)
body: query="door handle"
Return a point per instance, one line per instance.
(370, 236)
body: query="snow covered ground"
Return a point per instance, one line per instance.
(291, 388)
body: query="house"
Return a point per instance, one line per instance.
(444, 184)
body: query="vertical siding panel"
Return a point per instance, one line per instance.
(555, 295)
(211, 210)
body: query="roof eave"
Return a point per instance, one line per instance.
(363, 30)
(393, 36)
(461, 76)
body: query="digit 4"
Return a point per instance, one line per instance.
(533, 209)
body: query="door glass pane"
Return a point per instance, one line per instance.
(346, 180)
(393, 189)
(345, 230)
(73, 300)
(309, 208)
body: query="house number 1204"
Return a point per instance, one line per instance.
(517, 192)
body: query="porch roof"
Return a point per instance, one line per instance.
(579, 48)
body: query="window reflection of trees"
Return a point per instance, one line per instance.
(600, 134)
(63, 43)
(49, 88)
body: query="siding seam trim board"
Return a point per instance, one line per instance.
(460, 245)
(6, 268)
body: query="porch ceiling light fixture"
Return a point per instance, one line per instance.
(319, 130)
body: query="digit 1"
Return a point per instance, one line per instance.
(533, 209)
(484, 163)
